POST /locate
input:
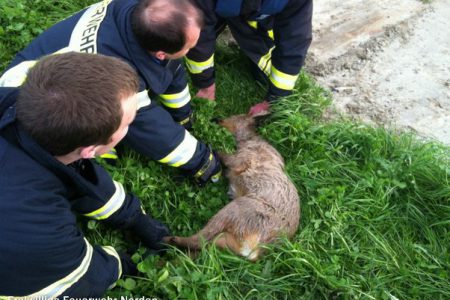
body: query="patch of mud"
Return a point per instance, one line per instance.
(386, 62)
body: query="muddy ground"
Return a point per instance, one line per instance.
(386, 62)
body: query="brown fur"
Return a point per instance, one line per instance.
(266, 203)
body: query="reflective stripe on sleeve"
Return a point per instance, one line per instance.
(253, 24)
(58, 287)
(282, 80)
(111, 154)
(16, 75)
(183, 153)
(143, 99)
(82, 39)
(111, 251)
(196, 67)
(176, 100)
(113, 204)
(265, 62)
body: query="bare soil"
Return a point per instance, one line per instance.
(386, 62)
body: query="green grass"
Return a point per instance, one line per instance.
(375, 218)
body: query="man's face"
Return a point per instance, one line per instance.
(129, 108)
(192, 35)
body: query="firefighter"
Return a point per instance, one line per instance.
(274, 34)
(152, 36)
(48, 132)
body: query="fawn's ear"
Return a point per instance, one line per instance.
(261, 113)
(260, 118)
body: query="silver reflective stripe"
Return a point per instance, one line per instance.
(114, 203)
(143, 99)
(282, 80)
(84, 35)
(265, 62)
(176, 100)
(58, 287)
(16, 75)
(111, 251)
(183, 153)
(183, 99)
(82, 39)
(197, 67)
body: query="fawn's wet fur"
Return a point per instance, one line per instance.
(265, 202)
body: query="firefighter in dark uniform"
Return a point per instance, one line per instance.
(152, 36)
(48, 132)
(274, 34)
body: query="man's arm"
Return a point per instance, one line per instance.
(112, 205)
(200, 59)
(176, 99)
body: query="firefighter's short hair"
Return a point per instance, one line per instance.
(73, 100)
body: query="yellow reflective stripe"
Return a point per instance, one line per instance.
(16, 76)
(204, 168)
(176, 100)
(143, 99)
(111, 251)
(83, 39)
(216, 177)
(183, 153)
(182, 122)
(111, 154)
(196, 67)
(113, 204)
(265, 62)
(253, 24)
(282, 80)
(58, 287)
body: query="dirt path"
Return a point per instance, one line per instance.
(386, 62)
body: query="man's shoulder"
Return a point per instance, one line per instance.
(16, 166)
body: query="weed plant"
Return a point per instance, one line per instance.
(375, 204)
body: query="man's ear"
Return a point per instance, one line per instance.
(87, 152)
(161, 55)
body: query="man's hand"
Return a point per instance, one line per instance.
(208, 92)
(259, 108)
(150, 232)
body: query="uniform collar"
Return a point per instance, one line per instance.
(15, 134)
(8, 97)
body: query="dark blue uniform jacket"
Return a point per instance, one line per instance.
(112, 37)
(41, 248)
(274, 34)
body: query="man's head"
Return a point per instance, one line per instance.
(77, 103)
(167, 28)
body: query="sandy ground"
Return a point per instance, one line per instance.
(386, 62)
